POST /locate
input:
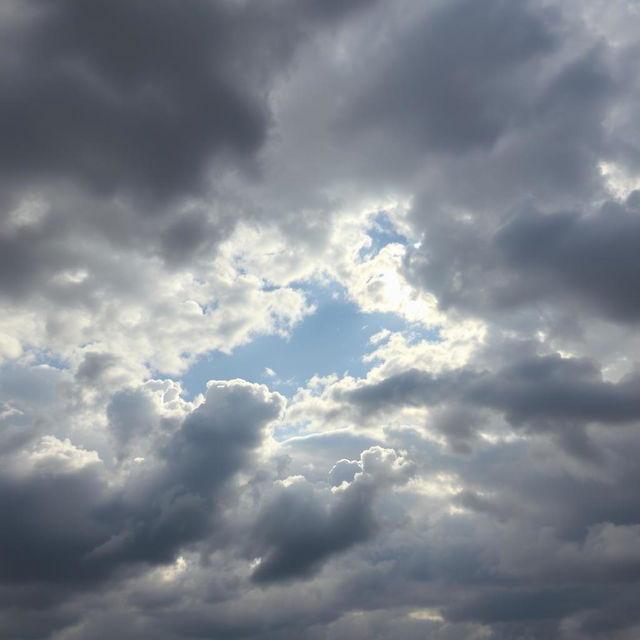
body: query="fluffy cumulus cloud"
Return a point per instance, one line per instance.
(319, 320)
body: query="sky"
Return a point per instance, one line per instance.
(319, 320)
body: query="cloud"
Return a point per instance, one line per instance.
(298, 530)
(454, 85)
(180, 178)
(215, 438)
(76, 520)
(541, 394)
(562, 260)
(128, 96)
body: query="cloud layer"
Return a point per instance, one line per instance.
(181, 178)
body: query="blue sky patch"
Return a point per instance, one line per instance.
(332, 340)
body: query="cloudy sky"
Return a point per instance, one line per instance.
(319, 320)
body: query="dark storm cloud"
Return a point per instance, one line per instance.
(301, 528)
(116, 112)
(455, 83)
(28, 255)
(555, 388)
(473, 501)
(542, 394)
(51, 529)
(533, 555)
(297, 532)
(188, 235)
(562, 256)
(142, 96)
(564, 259)
(176, 504)
(490, 120)
(593, 258)
(620, 614)
(521, 605)
(128, 94)
(46, 611)
(481, 105)
(216, 438)
(410, 388)
(515, 564)
(75, 525)
(516, 477)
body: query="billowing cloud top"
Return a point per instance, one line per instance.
(318, 320)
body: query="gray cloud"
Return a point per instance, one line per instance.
(72, 523)
(125, 95)
(456, 82)
(541, 394)
(121, 122)
(299, 530)
(137, 138)
(563, 259)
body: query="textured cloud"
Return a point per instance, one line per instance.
(582, 261)
(548, 387)
(129, 96)
(77, 520)
(298, 530)
(181, 178)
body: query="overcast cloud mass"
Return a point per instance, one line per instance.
(319, 320)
